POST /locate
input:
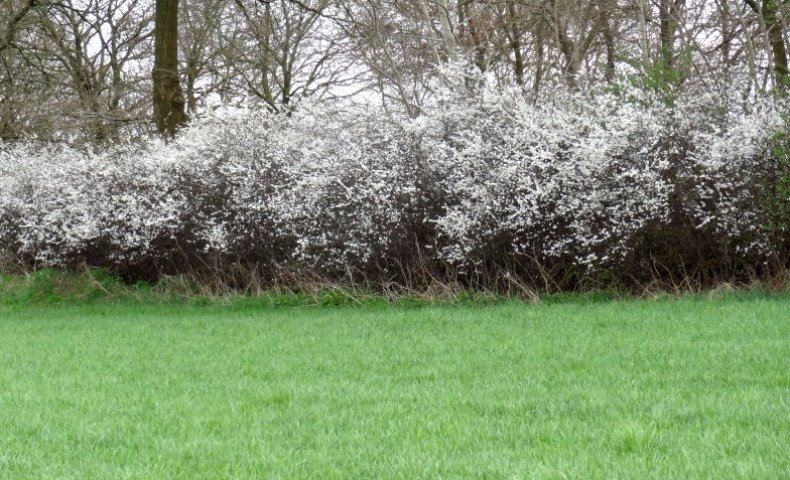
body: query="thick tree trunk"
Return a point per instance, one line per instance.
(169, 101)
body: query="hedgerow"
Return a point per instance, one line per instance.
(619, 186)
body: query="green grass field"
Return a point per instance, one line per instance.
(670, 389)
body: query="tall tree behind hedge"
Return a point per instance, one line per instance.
(169, 101)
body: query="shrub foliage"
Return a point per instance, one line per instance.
(618, 186)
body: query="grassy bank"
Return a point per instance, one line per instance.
(671, 389)
(96, 286)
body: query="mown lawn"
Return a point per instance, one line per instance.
(671, 389)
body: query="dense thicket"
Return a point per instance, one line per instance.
(492, 143)
(623, 186)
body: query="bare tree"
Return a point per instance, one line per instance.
(15, 16)
(205, 67)
(86, 69)
(281, 50)
(73, 72)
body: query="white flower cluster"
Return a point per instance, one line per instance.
(587, 181)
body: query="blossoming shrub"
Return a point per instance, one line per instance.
(618, 186)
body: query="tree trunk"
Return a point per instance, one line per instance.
(667, 33)
(773, 25)
(169, 101)
(608, 36)
(540, 54)
(515, 43)
(643, 12)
